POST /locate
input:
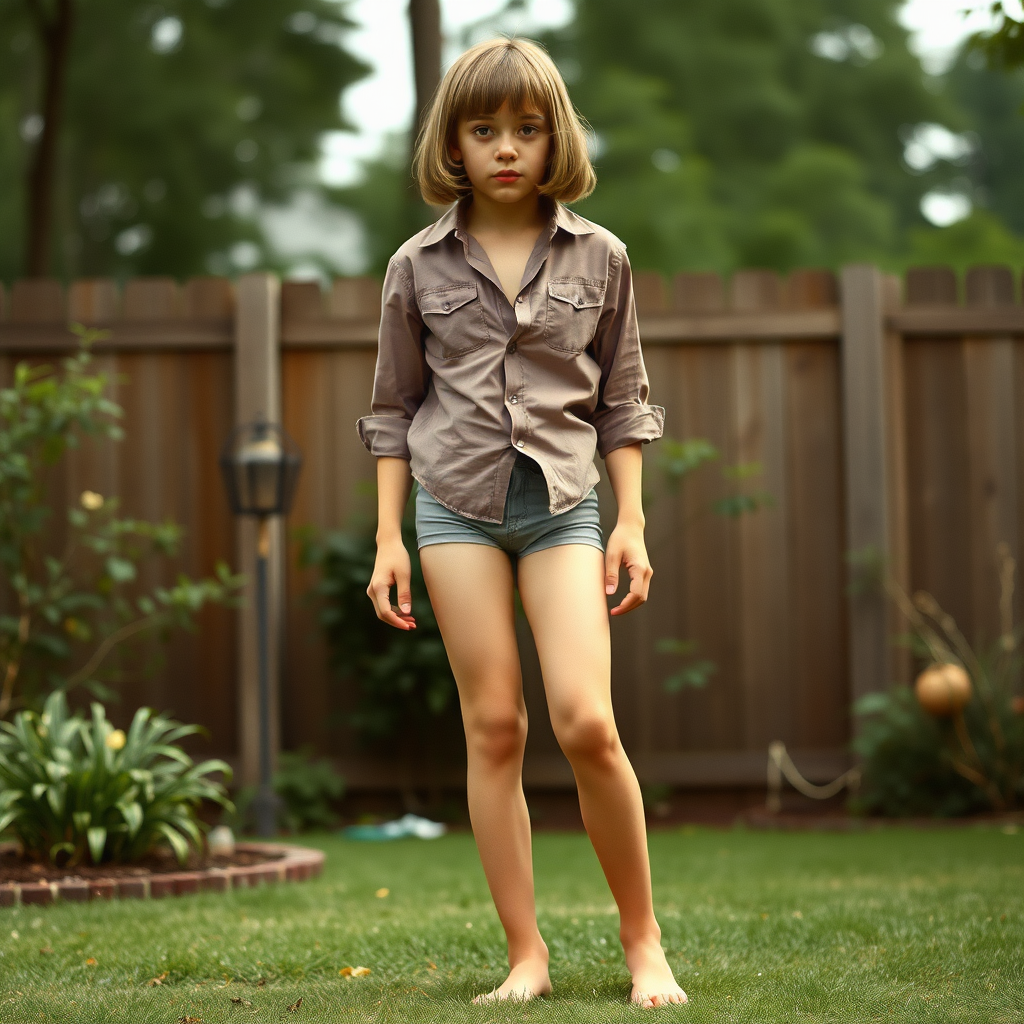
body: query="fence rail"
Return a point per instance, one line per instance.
(885, 414)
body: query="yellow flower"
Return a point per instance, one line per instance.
(116, 739)
(91, 500)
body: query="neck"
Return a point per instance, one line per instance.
(485, 214)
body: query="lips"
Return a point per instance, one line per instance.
(507, 176)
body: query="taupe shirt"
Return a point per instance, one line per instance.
(465, 378)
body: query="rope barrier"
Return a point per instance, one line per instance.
(781, 764)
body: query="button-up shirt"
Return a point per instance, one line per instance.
(465, 379)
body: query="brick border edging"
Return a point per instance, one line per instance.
(293, 864)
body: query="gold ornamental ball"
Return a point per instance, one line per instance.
(943, 690)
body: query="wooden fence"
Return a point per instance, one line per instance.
(888, 416)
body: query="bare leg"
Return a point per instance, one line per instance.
(562, 589)
(471, 592)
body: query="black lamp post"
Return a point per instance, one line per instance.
(260, 464)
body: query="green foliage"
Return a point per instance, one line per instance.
(306, 787)
(69, 608)
(72, 788)
(908, 761)
(1004, 46)
(694, 674)
(403, 679)
(752, 132)
(979, 238)
(916, 764)
(180, 118)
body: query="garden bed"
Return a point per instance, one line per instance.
(25, 882)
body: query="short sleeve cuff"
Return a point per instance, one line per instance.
(628, 424)
(386, 436)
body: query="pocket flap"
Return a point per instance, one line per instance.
(445, 300)
(577, 293)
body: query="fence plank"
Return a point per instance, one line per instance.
(93, 299)
(991, 401)
(765, 612)
(38, 301)
(866, 435)
(649, 292)
(153, 298)
(354, 298)
(208, 297)
(698, 293)
(931, 286)
(819, 711)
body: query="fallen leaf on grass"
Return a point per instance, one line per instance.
(45, 949)
(240, 1001)
(354, 972)
(382, 893)
(91, 962)
(190, 1020)
(295, 1005)
(431, 966)
(158, 980)
(261, 982)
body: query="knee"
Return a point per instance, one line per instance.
(588, 736)
(496, 735)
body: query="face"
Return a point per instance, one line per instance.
(505, 153)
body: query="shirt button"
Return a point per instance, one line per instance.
(519, 298)
(520, 444)
(446, 305)
(512, 347)
(513, 399)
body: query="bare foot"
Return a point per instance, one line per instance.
(653, 981)
(527, 980)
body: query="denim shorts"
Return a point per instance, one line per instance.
(526, 524)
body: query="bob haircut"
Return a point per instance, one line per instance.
(487, 75)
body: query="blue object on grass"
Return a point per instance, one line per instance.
(407, 825)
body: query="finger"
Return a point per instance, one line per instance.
(612, 561)
(403, 583)
(627, 604)
(382, 604)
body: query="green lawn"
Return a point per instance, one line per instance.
(893, 925)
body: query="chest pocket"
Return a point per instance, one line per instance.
(455, 316)
(573, 310)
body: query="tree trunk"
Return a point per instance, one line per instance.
(54, 32)
(425, 21)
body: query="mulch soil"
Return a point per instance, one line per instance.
(16, 868)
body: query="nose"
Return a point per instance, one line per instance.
(506, 147)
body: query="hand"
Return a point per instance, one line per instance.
(392, 568)
(626, 545)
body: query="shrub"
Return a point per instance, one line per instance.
(72, 787)
(404, 680)
(306, 788)
(67, 611)
(974, 760)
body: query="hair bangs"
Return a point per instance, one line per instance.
(504, 75)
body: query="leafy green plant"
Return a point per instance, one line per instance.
(678, 460)
(72, 787)
(918, 764)
(64, 612)
(305, 787)
(403, 680)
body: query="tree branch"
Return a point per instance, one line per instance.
(109, 644)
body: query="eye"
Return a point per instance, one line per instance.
(481, 131)
(529, 129)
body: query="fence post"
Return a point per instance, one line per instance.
(866, 436)
(258, 393)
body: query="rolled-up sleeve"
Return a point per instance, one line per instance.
(402, 375)
(622, 415)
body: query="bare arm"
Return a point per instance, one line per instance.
(393, 567)
(626, 543)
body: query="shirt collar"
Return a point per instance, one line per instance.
(454, 219)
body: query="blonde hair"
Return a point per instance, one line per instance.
(517, 71)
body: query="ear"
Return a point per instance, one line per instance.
(455, 154)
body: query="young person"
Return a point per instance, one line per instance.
(508, 352)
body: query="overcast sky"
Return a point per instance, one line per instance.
(383, 102)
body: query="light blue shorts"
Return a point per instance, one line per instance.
(526, 524)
